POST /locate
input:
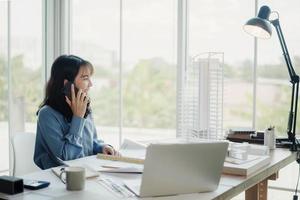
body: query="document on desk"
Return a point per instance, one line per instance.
(130, 144)
(89, 172)
(116, 187)
(133, 149)
(133, 186)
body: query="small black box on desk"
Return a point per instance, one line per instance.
(11, 185)
(245, 135)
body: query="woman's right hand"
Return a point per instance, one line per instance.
(78, 103)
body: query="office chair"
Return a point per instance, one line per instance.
(23, 149)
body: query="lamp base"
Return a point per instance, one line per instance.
(286, 143)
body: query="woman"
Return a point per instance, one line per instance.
(65, 128)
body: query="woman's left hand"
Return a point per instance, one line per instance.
(109, 150)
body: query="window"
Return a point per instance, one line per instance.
(21, 69)
(217, 27)
(148, 65)
(273, 88)
(4, 137)
(149, 74)
(27, 73)
(96, 39)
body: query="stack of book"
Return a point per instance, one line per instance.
(245, 135)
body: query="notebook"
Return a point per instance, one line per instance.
(171, 169)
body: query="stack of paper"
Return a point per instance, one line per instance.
(247, 167)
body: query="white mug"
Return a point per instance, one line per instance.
(74, 177)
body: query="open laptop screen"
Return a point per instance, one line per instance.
(181, 168)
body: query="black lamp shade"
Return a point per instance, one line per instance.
(260, 26)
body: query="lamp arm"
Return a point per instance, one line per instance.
(291, 129)
(294, 77)
(295, 97)
(292, 120)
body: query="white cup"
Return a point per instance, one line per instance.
(74, 177)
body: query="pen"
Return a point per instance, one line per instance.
(110, 167)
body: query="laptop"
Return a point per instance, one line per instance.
(181, 168)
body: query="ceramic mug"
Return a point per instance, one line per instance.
(74, 177)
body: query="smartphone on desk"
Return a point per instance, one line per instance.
(35, 184)
(68, 91)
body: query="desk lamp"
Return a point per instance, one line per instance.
(260, 27)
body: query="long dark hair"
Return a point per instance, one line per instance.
(65, 67)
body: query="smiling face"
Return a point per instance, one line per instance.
(83, 78)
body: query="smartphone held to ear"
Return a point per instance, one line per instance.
(68, 91)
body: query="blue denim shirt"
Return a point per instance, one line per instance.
(56, 137)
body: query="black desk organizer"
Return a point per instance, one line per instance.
(252, 138)
(258, 138)
(11, 185)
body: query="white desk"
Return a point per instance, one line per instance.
(229, 186)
